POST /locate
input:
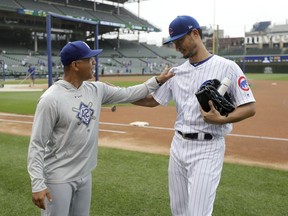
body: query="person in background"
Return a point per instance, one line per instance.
(31, 74)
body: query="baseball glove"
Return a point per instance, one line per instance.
(208, 91)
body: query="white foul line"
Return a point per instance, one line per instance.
(171, 129)
(15, 121)
(258, 137)
(113, 131)
(19, 115)
(148, 127)
(27, 122)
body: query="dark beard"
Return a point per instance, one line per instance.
(191, 54)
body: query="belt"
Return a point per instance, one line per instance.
(195, 136)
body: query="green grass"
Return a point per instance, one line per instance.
(25, 102)
(19, 102)
(252, 191)
(125, 83)
(131, 183)
(127, 183)
(262, 76)
(122, 82)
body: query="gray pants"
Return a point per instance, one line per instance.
(69, 199)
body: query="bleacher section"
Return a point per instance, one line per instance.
(164, 52)
(17, 65)
(134, 58)
(39, 6)
(9, 5)
(106, 14)
(140, 21)
(19, 48)
(76, 12)
(131, 49)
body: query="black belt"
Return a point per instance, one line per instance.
(195, 136)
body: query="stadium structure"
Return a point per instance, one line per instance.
(23, 39)
(264, 49)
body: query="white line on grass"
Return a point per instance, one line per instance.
(171, 129)
(18, 115)
(15, 121)
(148, 127)
(27, 122)
(259, 137)
(113, 131)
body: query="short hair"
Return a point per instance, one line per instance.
(199, 31)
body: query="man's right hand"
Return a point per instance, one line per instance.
(165, 75)
(38, 198)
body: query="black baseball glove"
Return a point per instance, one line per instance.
(208, 91)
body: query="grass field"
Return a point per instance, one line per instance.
(123, 82)
(127, 183)
(25, 102)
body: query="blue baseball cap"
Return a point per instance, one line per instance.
(76, 50)
(180, 26)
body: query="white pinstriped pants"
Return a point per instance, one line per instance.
(194, 174)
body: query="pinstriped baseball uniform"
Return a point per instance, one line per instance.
(195, 165)
(64, 141)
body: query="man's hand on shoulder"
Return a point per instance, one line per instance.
(164, 76)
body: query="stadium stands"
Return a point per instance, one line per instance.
(17, 48)
(31, 5)
(8, 5)
(132, 58)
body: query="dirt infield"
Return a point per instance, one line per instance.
(260, 141)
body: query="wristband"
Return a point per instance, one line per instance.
(158, 81)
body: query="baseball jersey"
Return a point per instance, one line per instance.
(64, 139)
(187, 80)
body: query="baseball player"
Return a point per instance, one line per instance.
(64, 140)
(31, 73)
(198, 146)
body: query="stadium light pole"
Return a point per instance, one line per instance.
(96, 45)
(214, 33)
(48, 31)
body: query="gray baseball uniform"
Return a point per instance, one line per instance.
(195, 164)
(64, 139)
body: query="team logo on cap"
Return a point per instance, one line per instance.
(243, 84)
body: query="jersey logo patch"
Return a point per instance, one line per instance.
(84, 113)
(243, 84)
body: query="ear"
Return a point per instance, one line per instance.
(195, 32)
(74, 66)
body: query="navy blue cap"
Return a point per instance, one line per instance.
(180, 26)
(77, 50)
